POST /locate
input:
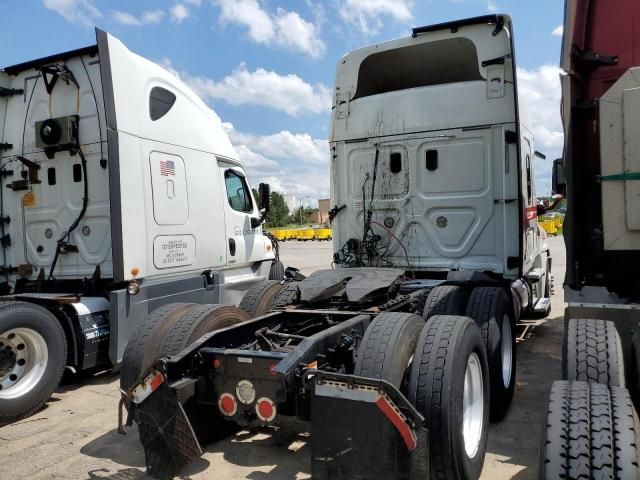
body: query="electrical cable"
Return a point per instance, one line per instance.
(406, 254)
(74, 225)
(95, 100)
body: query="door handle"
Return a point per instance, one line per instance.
(232, 247)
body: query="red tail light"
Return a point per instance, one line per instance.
(265, 409)
(227, 404)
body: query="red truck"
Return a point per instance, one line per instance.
(592, 425)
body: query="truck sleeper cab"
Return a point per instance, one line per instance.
(435, 240)
(107, 205)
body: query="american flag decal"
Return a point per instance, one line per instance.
(167, 168)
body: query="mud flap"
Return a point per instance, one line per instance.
(165, 433)
(365, 429)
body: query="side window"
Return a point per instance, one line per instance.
(237, 192)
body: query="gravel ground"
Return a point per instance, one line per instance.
(75, 435)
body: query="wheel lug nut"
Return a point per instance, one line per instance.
(21, 362)
(21, 346)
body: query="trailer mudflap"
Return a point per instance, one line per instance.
(364, 428)
(165, 433)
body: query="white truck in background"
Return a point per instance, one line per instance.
(120, 192)
(401, 355)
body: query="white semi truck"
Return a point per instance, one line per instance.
(401, 355)
(120, 192)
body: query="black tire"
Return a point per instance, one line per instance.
(276, 272)
(206, 421)
(445, 300)
(490, 307)
(634, 373)
(387, 347)
(287, 294)
(591, 432)
(591, 352)
(40, 321)
(436, 387)
(144, 346)
(259, 298)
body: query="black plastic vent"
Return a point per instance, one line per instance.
(395, 162)
(432, 160)
(160, 102)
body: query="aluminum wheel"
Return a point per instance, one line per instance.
(23, 361)
(507, 352)
(473, 406)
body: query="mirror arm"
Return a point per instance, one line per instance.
(256, 222)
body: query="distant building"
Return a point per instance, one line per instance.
(290, 200)
(322, 215)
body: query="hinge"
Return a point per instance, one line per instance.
(5, 241)
(5, 220)
(595, 60)
(6, 146)
(510, 136)
(8, 92)
(506, 201)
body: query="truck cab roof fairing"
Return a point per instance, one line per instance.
(133, 79)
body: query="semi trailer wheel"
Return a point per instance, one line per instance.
(385, 352)
(33, 353)
(387, 347)
(445, 300)
(491, 309)
(592, 352)
(167, 331)
(258, 299)
(591, 432)
(143, 347)
(207, 423)
(267, 295)
(449, 385)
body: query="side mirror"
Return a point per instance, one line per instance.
(558, 178)
(265, 196)
(540, 155)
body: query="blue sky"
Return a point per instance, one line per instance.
(267, 66)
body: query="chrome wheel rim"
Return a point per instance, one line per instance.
(23, 361)
(473, 406)
(507, 352)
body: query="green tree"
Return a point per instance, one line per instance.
(278, 215)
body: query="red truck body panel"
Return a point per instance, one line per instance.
(601, 42)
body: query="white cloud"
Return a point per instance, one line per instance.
(195, 3)
(290, 162)
(300, 147)
(540, 90)
(285, 29)
(492, 6)
(179, 12)
(558, 31)
(288, 93)
(81, 12)
(147, 18)
(368, 15)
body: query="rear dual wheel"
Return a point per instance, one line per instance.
(441, 366)
(491, 308)
(449, 385)
(167, 331)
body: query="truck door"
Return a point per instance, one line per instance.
(531, 230)
(240, 208)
